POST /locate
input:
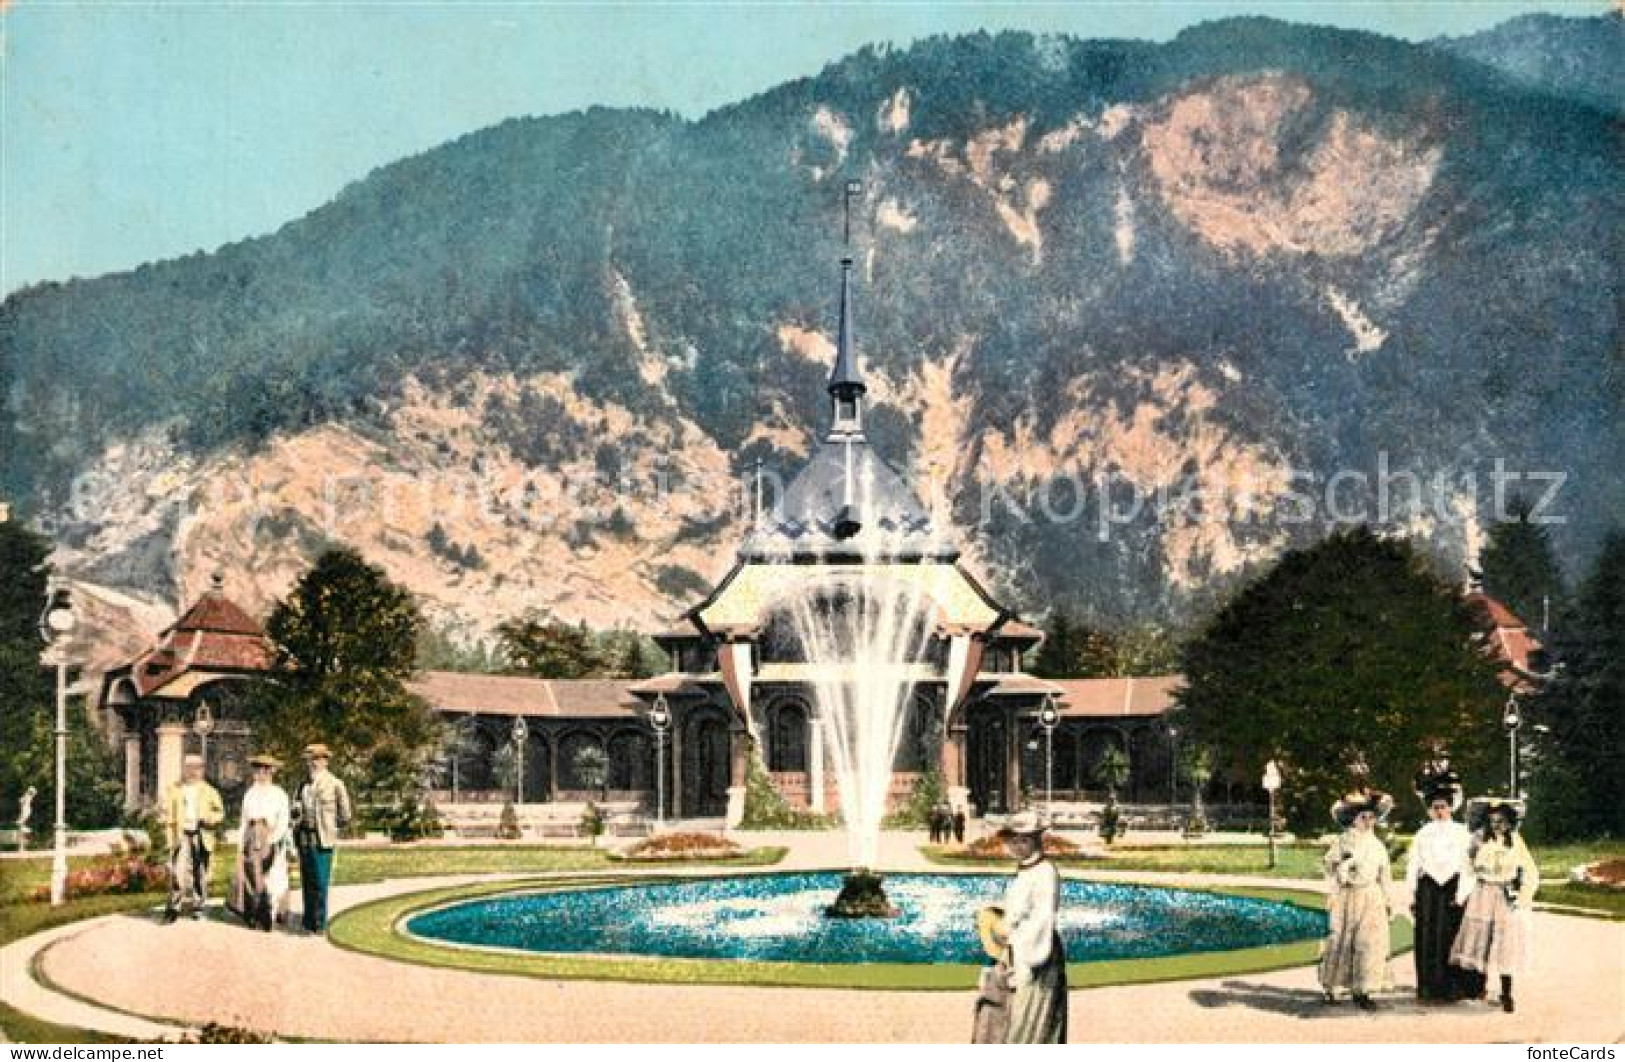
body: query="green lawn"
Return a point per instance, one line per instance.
(1298, 861)
(21, 1028)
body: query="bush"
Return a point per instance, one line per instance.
(915, 812)
(1112, 825)
(766, 808)
(508, 823)
(592, 822)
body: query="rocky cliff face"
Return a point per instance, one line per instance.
(1138, 317)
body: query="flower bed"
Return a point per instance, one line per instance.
(990, 847)
(113, 875)
(677, 846)
(1605, 873)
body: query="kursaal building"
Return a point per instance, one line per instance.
(848, 598)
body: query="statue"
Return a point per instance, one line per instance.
(25, 809)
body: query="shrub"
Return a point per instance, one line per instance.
(766, 808)
(508, 823)
(592, 822)
(915, 812)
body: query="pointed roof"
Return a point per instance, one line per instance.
(844, 375)
(213, 638)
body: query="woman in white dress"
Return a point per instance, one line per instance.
(1036, 957)
(1495, 927)
(1358, 873)
(262, 847)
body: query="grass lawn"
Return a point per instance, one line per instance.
(21, 1028)
(1293, 860)
(371, 928)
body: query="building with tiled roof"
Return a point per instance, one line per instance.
(193, 671)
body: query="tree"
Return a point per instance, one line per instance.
(1348, 660)
(25, 685)
(549, 648)
(591, 768)
(634, 661)
(1519, 567)
(1577, 789)
(1196, 767)
(346, 640)
(1112, 771)
(1072, 651)
(95, 794)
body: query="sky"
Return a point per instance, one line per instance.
(132, 132)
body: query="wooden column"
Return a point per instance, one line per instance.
(132, 770)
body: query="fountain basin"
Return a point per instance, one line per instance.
(781, 918)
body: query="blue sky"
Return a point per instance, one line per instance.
(139, 131)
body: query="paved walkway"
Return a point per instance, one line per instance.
(194, 972)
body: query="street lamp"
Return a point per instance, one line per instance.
(1272, 784)
(1173, 769)
(1048, 717)
(203, 726)
(520, 732)
(56, 623)
(1511, 719)
(660, 721)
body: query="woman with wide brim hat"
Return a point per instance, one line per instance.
(262, 846)
(1358, 873)
(1023, 932)
(1495, 924)
(1439, 878)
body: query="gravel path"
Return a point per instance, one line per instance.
(194, 972)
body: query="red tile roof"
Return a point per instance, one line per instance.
(452, 691)
(215, 634)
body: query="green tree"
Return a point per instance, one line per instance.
(346, 641)
(549, 648)
(1073, 651)
(1576, 786)
(635, 659)
(1519, 567)
(1348, 659)
(25, 686)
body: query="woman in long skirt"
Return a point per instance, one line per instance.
(1439, 877)
(1037, 958)
(262, 854)
(1357, 870)
(1495, 927)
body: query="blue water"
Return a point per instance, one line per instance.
(780, 917)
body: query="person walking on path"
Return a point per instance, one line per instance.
(1495, 926)
(261, 882)
(192, 811)
(322, 812)
(1439, 878)
(1355, 955)
(1037, 958)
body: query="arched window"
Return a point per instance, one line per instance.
(582, 762)
(920, 746)
(787, 737)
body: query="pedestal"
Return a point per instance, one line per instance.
(736, 806)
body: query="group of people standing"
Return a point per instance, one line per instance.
(271, 826)
(1471, 891)
(945, 823)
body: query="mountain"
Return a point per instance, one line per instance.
(535, 367)
(1578, 58)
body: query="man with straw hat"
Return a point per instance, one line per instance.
(321, 812)
(1023, 935)
(192, 811)
(262, 852)
(1357, 870)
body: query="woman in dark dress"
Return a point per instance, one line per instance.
(1439, 878)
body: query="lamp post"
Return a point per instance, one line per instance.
(1272, 784)
(55, 624)
(660, 722)
(1512, 720)
(1173, 769)
(1048, 717)
(520, 732)
(203, 726)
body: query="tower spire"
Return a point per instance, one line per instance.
(846, 386)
